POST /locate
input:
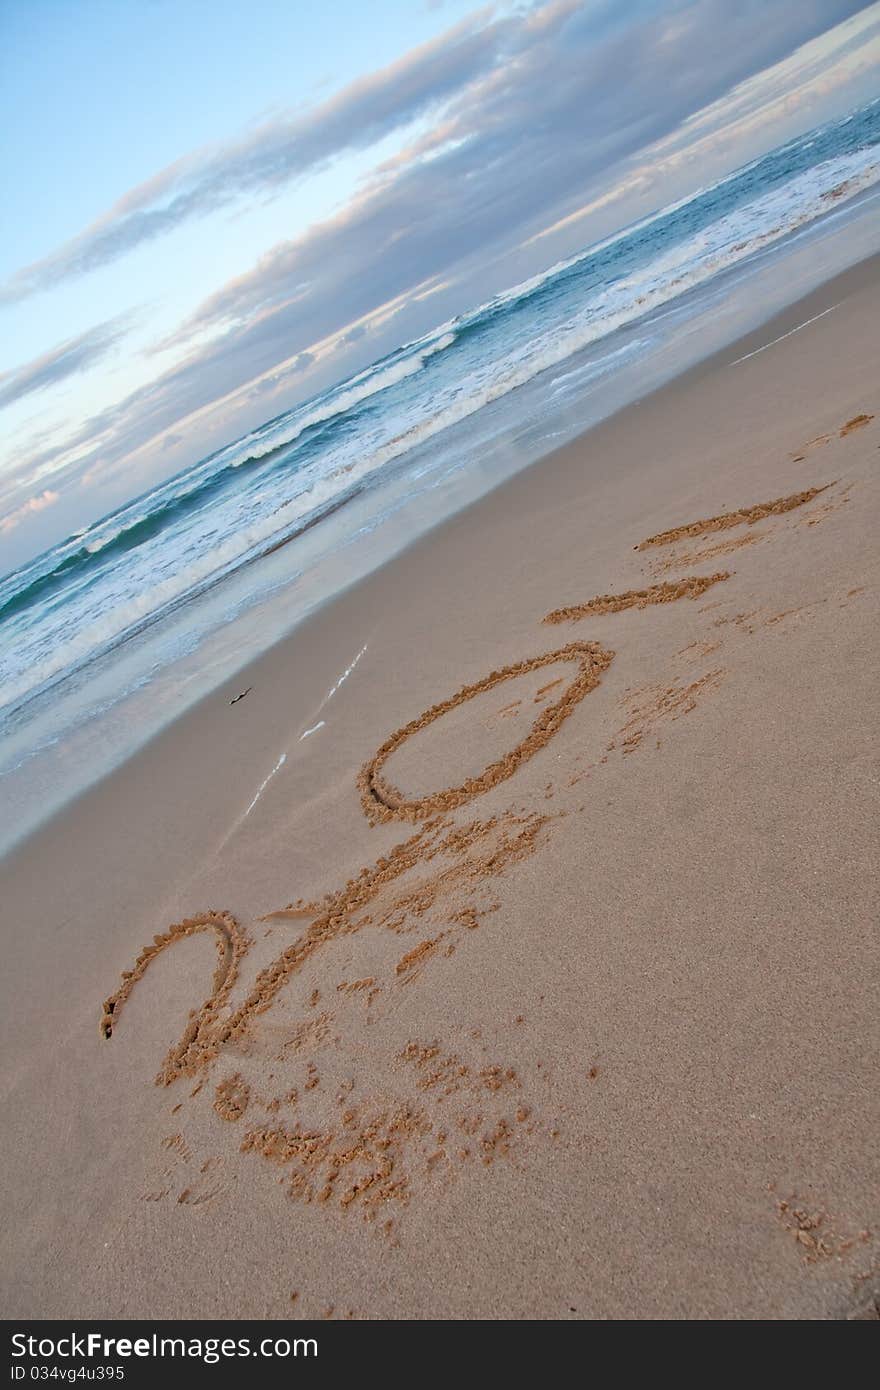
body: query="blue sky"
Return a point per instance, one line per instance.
(213, 209)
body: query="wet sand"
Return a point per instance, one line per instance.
(509, 950)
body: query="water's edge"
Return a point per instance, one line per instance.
(767, 322)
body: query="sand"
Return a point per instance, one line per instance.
(516, 979)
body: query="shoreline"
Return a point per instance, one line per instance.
(776, 328)
(611, 1022)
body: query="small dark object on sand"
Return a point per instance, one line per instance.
(236, 698)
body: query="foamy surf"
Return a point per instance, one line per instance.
(132, 569)
(265, 782)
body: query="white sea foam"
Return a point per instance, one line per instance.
(343, 678)
(265, 782)
(370, 383)
(97, 545)
(430, 385)
(782, 337)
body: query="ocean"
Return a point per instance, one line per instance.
(113, 608)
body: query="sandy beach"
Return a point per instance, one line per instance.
(509, 950)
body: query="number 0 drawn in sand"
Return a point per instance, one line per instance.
(381, 801)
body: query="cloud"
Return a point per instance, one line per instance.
(766, 102)
(33, 504)
(277, 153)
(65, 360)
(544, 111)
(477, 61)
(582, 92)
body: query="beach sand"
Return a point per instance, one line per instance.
(527, 985)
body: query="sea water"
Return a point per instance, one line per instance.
(154, 595)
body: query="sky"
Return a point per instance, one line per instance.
(213, 210)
